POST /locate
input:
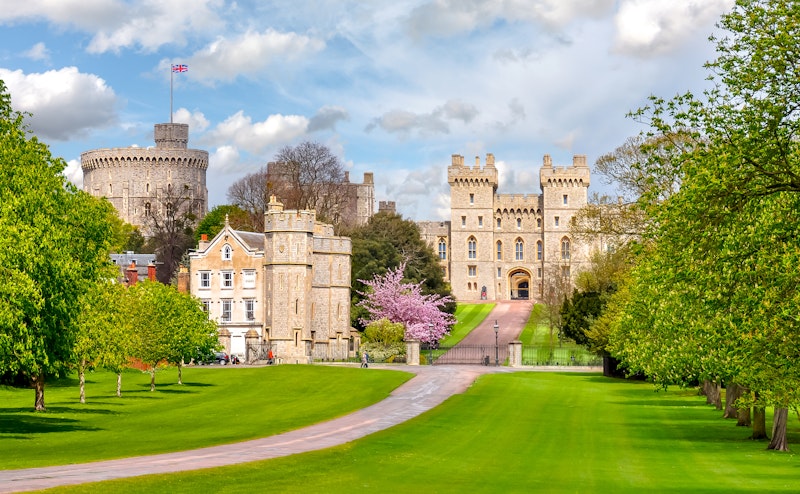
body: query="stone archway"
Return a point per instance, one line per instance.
(519, 283)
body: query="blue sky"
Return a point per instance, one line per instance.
(392, 87)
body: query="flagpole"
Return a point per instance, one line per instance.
(170, 93)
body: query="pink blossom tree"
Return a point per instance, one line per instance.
(387, 296)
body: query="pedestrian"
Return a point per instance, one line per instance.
(364, 360)
(270, 357)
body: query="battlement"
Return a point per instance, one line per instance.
(387, 207)
(171, 135)
(575, 175)
(457, 173)
(517, 201)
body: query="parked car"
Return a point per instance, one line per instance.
(219, 358)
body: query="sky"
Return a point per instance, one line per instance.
(393, 87)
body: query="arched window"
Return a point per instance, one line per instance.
(565, 248)
(499, 250)
(147, 209)
(442, 249)
(538, 222)
(519, 223)
(227, 253)
(499, 223)
(472, 248)
(539, 252)
(169, 210)
(519, 250)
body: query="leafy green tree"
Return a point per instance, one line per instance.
(385, 242)
(54, 245)
(214, 221)
(169, 326)
(171, 228)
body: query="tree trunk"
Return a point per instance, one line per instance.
(743, 417)
(180, 371)
(153, 378)
(779, 442)
(38, 385)
(119, 384)
(712, 392)
(759, 423)
(82, 378)
(732, 393)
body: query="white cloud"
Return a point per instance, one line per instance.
(224, 159)
(64, 103)
(38, 52)
(196, 120)
(74, 173)
(435, 122)
(654, 27)
(249, 53)
(84, 14)
(327, 117)
(240, 130)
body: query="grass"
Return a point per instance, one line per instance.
(469, 316)
(215, 405)
(540, 347)
(525, 432)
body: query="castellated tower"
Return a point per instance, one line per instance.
(472, 191)
(140, 182)
(307, 273)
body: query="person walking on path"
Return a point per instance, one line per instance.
(364, 360)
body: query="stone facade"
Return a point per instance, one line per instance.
(290, 285)
(139, 181)
(508, 246)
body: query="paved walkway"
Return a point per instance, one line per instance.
(430, 387)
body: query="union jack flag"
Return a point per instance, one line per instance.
(180, 68)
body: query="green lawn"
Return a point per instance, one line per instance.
(525, 432)
(215, 405)
(469, 316)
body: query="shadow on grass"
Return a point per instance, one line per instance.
(24, 425)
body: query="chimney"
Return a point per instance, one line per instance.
(183, 279)
(203, 244)
(151, 271)
(131, 274)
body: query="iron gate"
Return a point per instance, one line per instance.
(464, 354)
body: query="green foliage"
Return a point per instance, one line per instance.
(384, 332)
(214, 221)
(383, 244)
(468, 317)
(578, 313)
(54, 245)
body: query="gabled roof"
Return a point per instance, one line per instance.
(252, 240)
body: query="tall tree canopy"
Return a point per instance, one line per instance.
(714, 297)
(54, 245)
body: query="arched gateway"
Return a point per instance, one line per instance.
(519, 282)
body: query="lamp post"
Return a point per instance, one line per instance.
(430, 344)
(496, 345)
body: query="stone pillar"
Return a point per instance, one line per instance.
(412, 352)
(250, 338)
(183, 278)
(132, 274)
(225, 340)
(515, 353)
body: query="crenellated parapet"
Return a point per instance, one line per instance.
(143, 157)
(576, 175)
(518, 203)
(458, 174)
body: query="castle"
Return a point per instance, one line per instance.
(507, 246)
(141, 182)
(287, 287)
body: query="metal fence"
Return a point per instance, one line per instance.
(545, 355)
(464, 354)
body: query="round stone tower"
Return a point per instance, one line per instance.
(142, 182)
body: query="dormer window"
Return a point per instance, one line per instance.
(227, 253)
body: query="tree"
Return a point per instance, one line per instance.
(383, 339)
(169, 326)
(251, 194)
(214, 221)
(54, 245)
(385, 242)
(171, 228)
(389, 297)
(722, 267)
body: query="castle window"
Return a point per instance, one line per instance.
(556, 221)
(206, 306)
(227, 279)
(250, 309)
(205, 279)
(110, 189)
(499, 272)
(519, 250)
(472, 198)
(147, 209)
(519, 223)
(480, 221)
(539, 250)
(565, 271)
(226, 310)
(463, 221)
(249, 278)
(539, 272)
(472, 271)
(170, 212)
(499, 223)
(499, 250)
(566, 199)
(472, 248)
(147, 188)
(442, 249)
(227, 253)
(538, 222)
(565, 248)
